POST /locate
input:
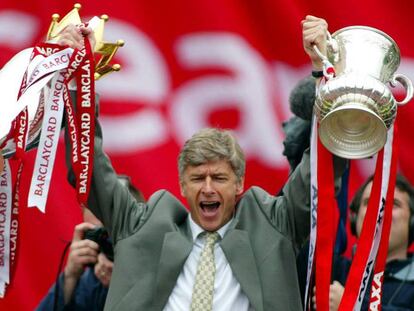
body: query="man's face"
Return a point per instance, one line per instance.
(211, 191)
(400, 219)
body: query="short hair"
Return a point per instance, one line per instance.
(401, 183)
(211, 144)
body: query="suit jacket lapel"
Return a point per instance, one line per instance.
(238, 251)
(175, 250)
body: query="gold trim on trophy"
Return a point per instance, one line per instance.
(56, 27)
(106, 49)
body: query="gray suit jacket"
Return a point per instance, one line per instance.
(153, 240)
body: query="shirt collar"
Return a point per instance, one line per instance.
(196, 229)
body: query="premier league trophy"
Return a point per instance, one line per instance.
(356, 107)
(11, 76)
(35, 87)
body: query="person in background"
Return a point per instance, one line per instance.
(398, 283)
(84, 283)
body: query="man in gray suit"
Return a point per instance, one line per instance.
(158, 244)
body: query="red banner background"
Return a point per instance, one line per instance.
(186, 65)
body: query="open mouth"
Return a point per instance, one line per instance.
(209, 208)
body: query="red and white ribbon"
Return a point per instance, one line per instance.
(314, 206)
(48, 65)
(13, 225)
(370, 236)
(49, 138)
(327, 219)
(323, 233)
(81, 66)
(384, 232)
(48, 61)
(86, 122)
(5, 222)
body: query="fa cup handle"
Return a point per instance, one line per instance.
(332, 46)
(406, 83)
(332, 50)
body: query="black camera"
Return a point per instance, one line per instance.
(101, 237)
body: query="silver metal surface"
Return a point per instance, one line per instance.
(356, 108)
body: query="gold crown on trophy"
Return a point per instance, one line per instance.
(106, 49)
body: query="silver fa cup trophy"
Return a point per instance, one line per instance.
(356, 107)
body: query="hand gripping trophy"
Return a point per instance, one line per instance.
(356, 108)
(33, 98)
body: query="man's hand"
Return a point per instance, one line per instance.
(103, 269)
(336, 291)
(314, 32)
(72, 36)
(82, 253)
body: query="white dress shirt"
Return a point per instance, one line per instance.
(228, 294)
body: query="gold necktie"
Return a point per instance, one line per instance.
(202, 298)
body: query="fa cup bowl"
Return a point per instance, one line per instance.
(356, 108)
